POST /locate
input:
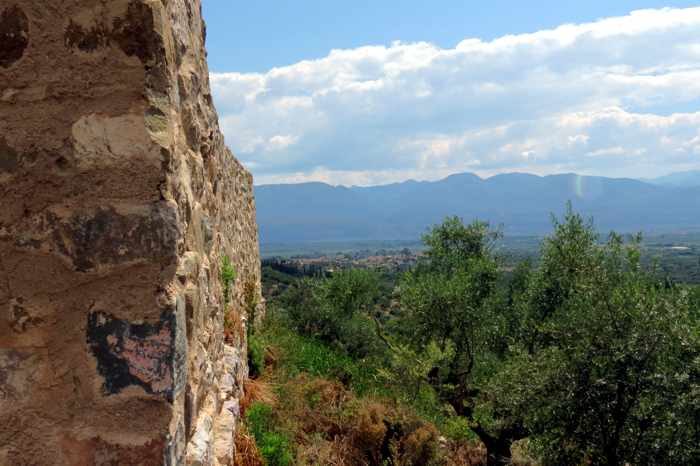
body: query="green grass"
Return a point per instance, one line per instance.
(301, 354)
(274, 446)
(304, 355)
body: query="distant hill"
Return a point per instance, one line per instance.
(679, 180)
(522, 203)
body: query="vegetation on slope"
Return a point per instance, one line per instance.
(586, 357)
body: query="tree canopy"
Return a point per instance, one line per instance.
(588, 354)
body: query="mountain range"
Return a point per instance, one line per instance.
(679, 179)
(521, 204)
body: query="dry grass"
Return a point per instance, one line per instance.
(420, 446)
(521, 454)
(315, 410)
(256, 390)
(335, 452)
(247, 453)
(473, 453)
(234, 329)
(465, 454)
(272, 357)
(328, 424)
(332, 426)
(315, 406)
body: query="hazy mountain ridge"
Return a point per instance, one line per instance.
(678, 179)
(522, 203)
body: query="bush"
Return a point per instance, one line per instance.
(275, 449)
(259, 419)
(256, 356)
(336, 310)
(273, 446)
(385, 434)
(251, 301)
(457, 428)
(420, 446)
(227, 275)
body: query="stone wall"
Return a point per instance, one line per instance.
(119, 202)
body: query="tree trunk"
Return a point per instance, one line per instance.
(610, 454)
(498, 452)
(498, 447)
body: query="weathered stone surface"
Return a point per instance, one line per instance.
(15, 374)
(14, 35)
(135, 354)
(97, 451)
(225, 430)
(201, 445)
(9, 159)
(119, 202)
(123, 140)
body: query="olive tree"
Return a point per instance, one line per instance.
(587, 354)
(618, 363)
(450, 302)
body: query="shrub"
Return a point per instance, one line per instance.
(336, 310)
(457, 428)
(251, 301)
(256, 356)
(318, 450)
(274, 446)
(276, 450)
(370, 432)
(420, 446)
(227, 275)
(259, 419)
(384, 433)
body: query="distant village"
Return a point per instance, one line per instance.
(391, 260)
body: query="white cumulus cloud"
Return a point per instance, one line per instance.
(619, 96)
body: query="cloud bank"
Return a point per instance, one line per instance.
(618, 97)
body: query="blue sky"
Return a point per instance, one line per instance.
(367, 92)
(259, 35)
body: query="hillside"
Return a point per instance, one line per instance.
(522, 203)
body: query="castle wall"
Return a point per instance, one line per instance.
(118, 204)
